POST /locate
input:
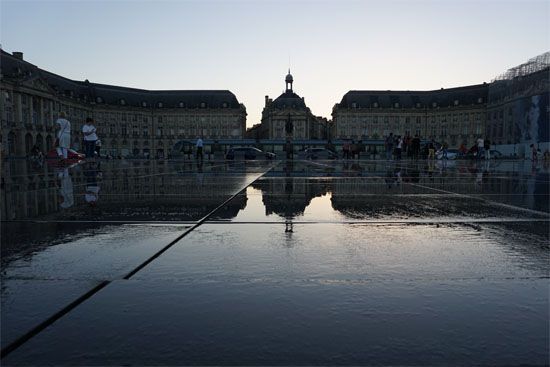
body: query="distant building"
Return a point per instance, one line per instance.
(288, 117)
(129, 121)
(455, 115)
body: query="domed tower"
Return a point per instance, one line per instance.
(288, 81)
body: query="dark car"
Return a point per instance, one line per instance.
(319, 153)
(248, 153)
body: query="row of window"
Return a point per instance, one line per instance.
(122, 102)
(417, 105)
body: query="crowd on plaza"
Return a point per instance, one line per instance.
(396, 147)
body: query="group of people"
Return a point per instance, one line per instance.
(92, 144)
(395, 146)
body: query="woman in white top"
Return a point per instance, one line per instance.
(63, 136)
(90, 137)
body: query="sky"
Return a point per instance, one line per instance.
(247, 47)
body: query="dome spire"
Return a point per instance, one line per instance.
(289, 80)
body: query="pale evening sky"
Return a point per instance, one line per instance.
(245, 46)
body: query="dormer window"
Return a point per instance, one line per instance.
(159, 104)
(375, 105)
(99, 100)
(480, 100)
(418, 105)
(203, 105)
(181, 104)
(456, 102)
(143, 104)
(224, 105)
(396, 105)
(353, 105)
(434, 104)
(122, 102)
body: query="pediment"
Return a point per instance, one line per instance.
(38, 84)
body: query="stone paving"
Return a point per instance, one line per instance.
(275, 263)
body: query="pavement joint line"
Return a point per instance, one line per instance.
(199, 222)
(50, 320)
(495, 203)
(404, 221)
(375, 221)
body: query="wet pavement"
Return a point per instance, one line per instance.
(304, 262)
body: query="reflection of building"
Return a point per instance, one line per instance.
(518, 107)
(455, 115)
(140, 190)
(288, 116)
(129, 121)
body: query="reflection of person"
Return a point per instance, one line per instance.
(98, 148)
(92, 172)
(63, 136)
(90, 137)
(66, 189)
(199, 147)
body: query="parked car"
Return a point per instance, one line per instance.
(72, 155)
(319, 153)
(495, 154)
(451, 154)
(248, 153)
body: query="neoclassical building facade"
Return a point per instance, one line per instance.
(130, 122)
(288, 117)
(455, 115)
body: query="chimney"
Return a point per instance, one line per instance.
(266, 100)
(18, 55)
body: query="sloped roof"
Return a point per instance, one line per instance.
(289, 99)
(17, 69)
(466, 95)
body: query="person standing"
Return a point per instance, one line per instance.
(534, 153)
(63, 136)
(199, 147)
(90, 137)
(399, 148)
(415, 145)
(487, 147)
(389, 146)
(480, 148)
(431, 150)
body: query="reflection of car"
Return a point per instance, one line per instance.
(319, 153)
(72, 155)
(248, 153)
(451, 154)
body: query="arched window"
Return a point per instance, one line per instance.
(99, 100)
(181, 104)
(225, 105)
(122, 102)
(203, 105)
(159, 104)
(143, 104)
